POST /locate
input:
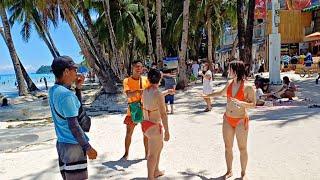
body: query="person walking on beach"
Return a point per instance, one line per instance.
(207, 85)
(169, 83)
(154, 113)
(45, 82)
(133, 86)
(72, 143)
(240, 96)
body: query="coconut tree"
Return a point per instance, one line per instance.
(14, 57)
(158, 34)
(209, 29)
(104, 72)
(241, 28)
(27, 13)
(183, 80)
(30, 83)
(147, 26)
(249, 35)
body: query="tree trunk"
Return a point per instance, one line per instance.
(92, 33)
(147, 26)
(209, 28)
(15, 60)
(241, 29)
(249, 35)
(113, 38)
(49, 45)
(52, 42)
(183, 80)
(45, 36)
(104, 72)
(158, 34)
(30, 83)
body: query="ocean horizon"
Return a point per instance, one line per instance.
(8, 83)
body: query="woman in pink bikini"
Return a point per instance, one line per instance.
(240, 96)
(154, 112)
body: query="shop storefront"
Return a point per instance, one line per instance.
(290, 49)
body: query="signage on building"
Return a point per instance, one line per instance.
(260, 10)
(303, 45)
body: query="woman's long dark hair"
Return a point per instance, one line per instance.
(239, 69)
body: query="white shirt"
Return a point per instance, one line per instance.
(259, 93)
(207, 83)
(195, 69)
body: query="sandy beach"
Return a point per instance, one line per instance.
(283, 143)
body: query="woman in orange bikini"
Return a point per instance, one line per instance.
(154, 112)
(240, 96)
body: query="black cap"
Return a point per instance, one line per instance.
(62, 62)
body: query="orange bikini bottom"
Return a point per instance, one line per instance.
(147, 124)
(234, 122)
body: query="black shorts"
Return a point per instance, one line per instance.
(169, 99)
(72, 161)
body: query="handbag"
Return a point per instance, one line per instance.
(83, 119)
(136, 110)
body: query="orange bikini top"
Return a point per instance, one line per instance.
(240, 93)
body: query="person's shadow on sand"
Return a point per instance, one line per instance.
(121, 164)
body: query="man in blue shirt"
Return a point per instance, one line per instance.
(72, 143)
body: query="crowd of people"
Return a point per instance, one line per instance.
(148, 106)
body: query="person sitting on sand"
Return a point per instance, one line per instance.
(261, 97)
(154, 112)
(288, 89)
(4, 102)
(240, 96)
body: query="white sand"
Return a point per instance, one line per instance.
(283, 144)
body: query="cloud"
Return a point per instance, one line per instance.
(8, 68)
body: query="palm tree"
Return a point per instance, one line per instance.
(241, 29)
(249, 35)
(30, 83)
(147, 26)
(101, 69)
(158, 34)
(26, 12)
(15, 60)
(183, 80)
(113, 39)
(209, 29)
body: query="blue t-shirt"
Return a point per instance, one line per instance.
(67, 105)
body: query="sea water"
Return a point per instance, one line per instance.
(8, 86)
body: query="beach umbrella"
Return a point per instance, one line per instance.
(312, 37)
(83, 69)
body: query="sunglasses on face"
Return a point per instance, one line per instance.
(74, 69)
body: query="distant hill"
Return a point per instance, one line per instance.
(44, 70)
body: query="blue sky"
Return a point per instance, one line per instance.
(35, 53)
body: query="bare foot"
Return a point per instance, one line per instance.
(158, 174)
(244, 176)
(125, 157)
(228, 175)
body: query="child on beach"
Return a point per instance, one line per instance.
(207, 85)
(169, 84)
(155, 115)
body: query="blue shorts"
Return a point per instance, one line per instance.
(169, 99)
